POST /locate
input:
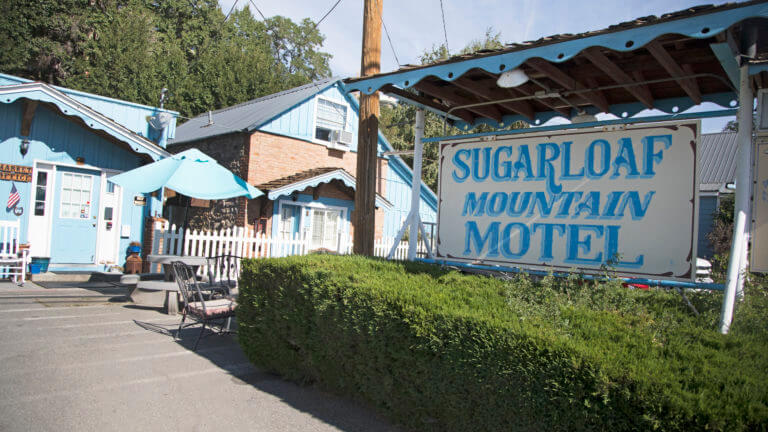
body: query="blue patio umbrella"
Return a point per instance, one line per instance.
(191, 173)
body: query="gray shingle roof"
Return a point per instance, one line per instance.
(717, 160)
(248, 116)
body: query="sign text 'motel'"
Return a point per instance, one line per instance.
(574, 199)
(17, 173)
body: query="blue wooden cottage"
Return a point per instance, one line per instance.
(299, 147)
(58, 149)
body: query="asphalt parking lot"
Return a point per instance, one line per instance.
(84, 359)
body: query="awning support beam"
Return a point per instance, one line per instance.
(413, 220)
(737, 262)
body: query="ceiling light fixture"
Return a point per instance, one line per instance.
(512, 78)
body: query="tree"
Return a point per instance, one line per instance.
(295, 46)
(131, 49)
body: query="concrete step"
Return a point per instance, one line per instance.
(76, 276)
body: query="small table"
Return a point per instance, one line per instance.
(157, 294)
(167, 260)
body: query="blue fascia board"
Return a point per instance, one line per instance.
(66, 90)
(642, 281)
(755, 69)
(701, 26)
(727, 59)
(666, 117)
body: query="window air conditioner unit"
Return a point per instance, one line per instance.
(345, 137)
(340, 140)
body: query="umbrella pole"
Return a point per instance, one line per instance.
(186, 219)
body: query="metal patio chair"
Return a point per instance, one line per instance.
(211, 312)
(223, 274)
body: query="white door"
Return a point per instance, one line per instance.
(40, 218)
(325, 229)
(109, 221)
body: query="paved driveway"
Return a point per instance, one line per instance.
(83, 360)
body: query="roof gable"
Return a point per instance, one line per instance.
(130, 115)
(248, 116)
(70, 107)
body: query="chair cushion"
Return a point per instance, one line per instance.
(213, 308)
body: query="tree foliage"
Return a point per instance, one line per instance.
(131, 49)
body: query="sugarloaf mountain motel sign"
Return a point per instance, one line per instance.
(624, 196)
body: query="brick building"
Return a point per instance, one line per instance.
(299, 147)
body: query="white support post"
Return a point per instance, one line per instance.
(418, 132)
(737, 262)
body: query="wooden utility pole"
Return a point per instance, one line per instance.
(368, 133)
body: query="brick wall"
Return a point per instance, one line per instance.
(229, 151)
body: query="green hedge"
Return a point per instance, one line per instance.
(436, 350)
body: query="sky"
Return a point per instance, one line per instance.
(416, 25)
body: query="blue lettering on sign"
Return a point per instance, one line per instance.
(515, 209)
(565, 164)
(461, 165)
(491, 238)
(651, 157)
(474, 206)
(546, 168)
(605, 156)
(524, 242)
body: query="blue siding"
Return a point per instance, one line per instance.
(707, 208)
(131, 115)
(398, 191)
(56, 139)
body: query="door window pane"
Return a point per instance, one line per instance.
(75, 198)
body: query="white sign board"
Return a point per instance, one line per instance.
(759, 253)
(574, 200)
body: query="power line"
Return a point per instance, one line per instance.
(258, 10)
(445, 32)
(390, 42)
(230, 10)
(328, 13)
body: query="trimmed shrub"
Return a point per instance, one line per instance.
(437, 350)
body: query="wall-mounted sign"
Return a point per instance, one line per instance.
(139, 200)
(17, 173)
(574, 200)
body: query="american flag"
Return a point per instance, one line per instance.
(13, 198)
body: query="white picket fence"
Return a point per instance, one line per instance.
(246, 243)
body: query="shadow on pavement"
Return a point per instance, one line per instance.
(224, 351)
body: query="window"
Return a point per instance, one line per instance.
(40, 189)
(288, 220)
(325, 228)
(330, 116)
(76, 195)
